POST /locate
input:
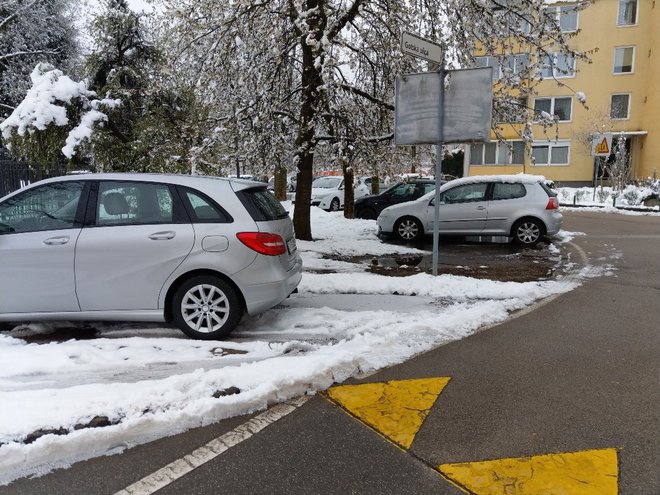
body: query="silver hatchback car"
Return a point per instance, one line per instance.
(519, 206)
(197, 251)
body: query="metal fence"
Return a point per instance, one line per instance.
(14, 175)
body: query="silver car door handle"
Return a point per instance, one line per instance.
(481, 207)
(163, 236)
(57, 241)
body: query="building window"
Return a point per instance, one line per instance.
(620, 106)
(556, 153)
(515, 63)
(559, 108)
(565, 17)
(558, 65)
(623, 59)
(512, 63)
(505, 153)
(489, 61)
(518, 22)
(627, 13)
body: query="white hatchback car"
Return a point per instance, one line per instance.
(198, 251)
(328, 192)
(519, 206)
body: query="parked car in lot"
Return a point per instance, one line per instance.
(198, 251)
(328, 192)
(369, 207)
(518, 206)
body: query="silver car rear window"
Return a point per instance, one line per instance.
(261, 205)
(547, 189)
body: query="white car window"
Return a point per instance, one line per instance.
(49, 207)
(465, 193)
(205, 211)
(507, 190)
(122, 203)
(327, 182)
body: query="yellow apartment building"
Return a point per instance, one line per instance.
(621, 88)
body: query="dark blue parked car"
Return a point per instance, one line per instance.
(369, 207)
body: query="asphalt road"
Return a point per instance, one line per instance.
(576, 373)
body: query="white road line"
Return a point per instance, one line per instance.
(179, 468)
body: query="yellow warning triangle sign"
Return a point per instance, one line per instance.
(395, 409)
(602, 147)
(590, 472)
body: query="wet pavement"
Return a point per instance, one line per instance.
(486, 258)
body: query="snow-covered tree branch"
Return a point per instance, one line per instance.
(56, 106)
(32, 32)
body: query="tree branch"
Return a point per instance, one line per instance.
(7, 56)
(367, 96)
(8, 19)
(348, 16)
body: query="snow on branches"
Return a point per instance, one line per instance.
(56, 100)
(32, 31)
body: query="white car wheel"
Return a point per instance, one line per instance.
(528, 232)
(408, 229)
(206, 307)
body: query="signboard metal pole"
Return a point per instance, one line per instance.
(419, 110)
(438, 174)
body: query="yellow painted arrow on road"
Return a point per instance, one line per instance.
(590, 472)
(395, 409)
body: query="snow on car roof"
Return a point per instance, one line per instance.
(524, 178)
(521, 178)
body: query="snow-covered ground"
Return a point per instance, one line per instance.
(630, 196)
(65, 401)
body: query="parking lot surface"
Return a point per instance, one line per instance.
(561, 397)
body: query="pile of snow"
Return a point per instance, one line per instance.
(606, 196)
(67, 401)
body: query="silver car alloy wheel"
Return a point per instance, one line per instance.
(528, 232)
(205, 308)
(408, 229)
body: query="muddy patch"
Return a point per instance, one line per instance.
(502, 263)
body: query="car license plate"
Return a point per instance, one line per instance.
(291, 244)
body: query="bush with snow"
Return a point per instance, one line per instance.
(631, 195)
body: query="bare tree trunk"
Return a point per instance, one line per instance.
(306, 138)
(280, 182)
(313, 58)
(301, 213)
(349, 192)
(375, 183)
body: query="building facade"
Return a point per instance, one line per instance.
(620, 89)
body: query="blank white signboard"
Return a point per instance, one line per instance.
(468, 107)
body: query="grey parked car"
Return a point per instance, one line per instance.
(518, 206)
(198, 251)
